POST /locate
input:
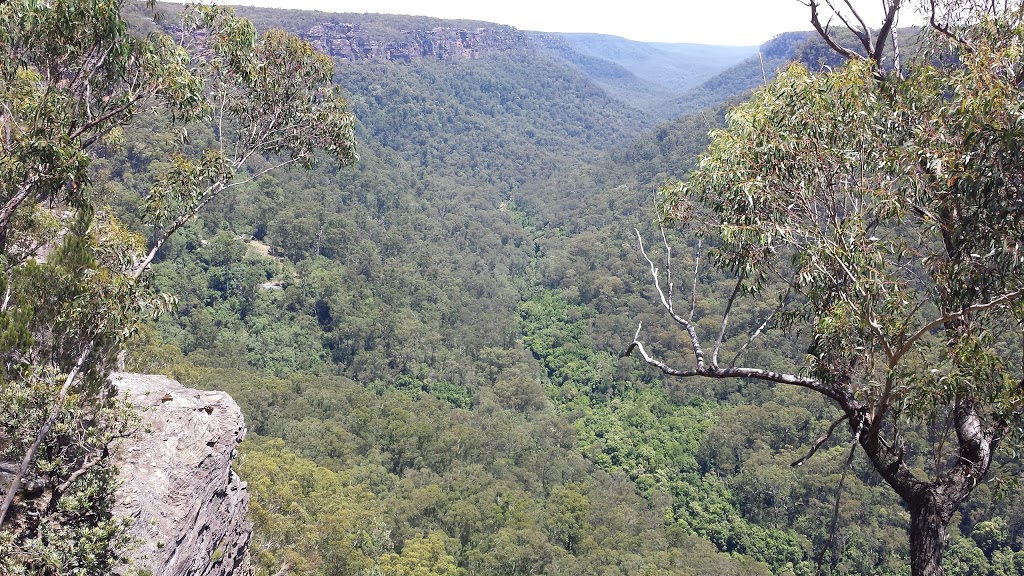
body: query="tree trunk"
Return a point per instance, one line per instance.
(927, 537)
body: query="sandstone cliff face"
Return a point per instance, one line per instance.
(351, 42)
(186, 503)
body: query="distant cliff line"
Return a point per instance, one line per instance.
(352, 42)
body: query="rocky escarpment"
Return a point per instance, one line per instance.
(186, 504)
(353, 42)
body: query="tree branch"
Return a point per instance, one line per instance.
(760, 329)
(863, 34)
(883, 405)
(874, 47)
(944, 29)
(89, 463)
(725, 321)
(835, 508)
(696, 270)
(668, 267)
(687, 325)
(55, 410)
(891, 17)
(114, 112)
(208, 195)
(909, 343)
(821, 441)
(735, 372)
(824, 33)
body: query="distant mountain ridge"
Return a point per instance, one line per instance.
(745, 75)
(648, 77)
(653, 77)
(674, 66)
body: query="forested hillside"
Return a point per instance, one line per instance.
(427, 345)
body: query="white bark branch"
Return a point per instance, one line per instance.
(666, 302)
(735, 372)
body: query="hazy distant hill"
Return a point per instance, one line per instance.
(742, 76)
(648, 77)
(651, 77)
(674, 66)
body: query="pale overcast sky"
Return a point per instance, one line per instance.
(725, 22)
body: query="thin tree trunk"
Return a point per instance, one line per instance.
(30, 455)
(927, 537)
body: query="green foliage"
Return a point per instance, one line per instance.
(881, 204)
(73, 276)
(963, 557)
(402, 484)
(647, 437)
(307, 517)
(421, 556)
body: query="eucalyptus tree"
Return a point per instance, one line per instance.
(884, 204)
(73, 287)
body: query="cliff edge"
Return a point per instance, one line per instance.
(353, 43)
(186, 504)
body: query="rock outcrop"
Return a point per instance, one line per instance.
(186, 503)
(352, 42)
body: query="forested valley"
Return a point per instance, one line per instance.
(428, 345)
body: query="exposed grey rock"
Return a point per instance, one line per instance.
(186, 503)
(352, 42)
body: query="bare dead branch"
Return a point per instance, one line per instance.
(707, 124)
(257, 175)
(826, 36)
(736, 372)
(668, 265)
(687, 325)
(665, 368)
(863, 26)
(863, 33)
(873, 45)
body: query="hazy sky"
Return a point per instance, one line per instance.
(728, 22)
